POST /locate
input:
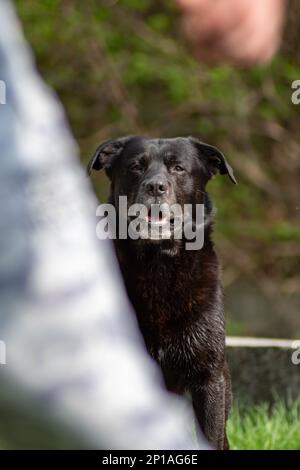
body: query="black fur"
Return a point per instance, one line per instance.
(176, 293)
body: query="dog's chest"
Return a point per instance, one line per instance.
(163, 304)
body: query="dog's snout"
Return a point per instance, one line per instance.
(156, 187)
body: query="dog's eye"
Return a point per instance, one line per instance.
(136, 166)
(178, 168)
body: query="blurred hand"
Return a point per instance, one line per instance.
(240, 32)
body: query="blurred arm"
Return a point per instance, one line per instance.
(239, 32)
(77, 374)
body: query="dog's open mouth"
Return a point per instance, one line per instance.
(159, 217)
(154, 222)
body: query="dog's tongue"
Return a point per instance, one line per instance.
(155, 216)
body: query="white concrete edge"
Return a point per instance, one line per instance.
(244, 342)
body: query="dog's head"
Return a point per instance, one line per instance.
(159, 172)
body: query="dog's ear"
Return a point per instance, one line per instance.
(106, 154)
(214, 159)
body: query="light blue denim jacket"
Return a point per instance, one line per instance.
(76, 373)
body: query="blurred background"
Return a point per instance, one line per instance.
(122, 67)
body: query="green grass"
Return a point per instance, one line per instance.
(257, 427)
(262, 428)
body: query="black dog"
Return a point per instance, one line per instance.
(176, 292)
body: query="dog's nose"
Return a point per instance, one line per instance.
(156, 187)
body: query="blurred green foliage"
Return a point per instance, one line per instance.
(122, 67)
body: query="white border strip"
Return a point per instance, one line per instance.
(244, 342)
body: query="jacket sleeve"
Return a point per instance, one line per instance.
(74, 372)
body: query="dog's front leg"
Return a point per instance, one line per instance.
(209, 407)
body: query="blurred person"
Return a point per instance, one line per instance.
(239, 32)
(77, 373)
